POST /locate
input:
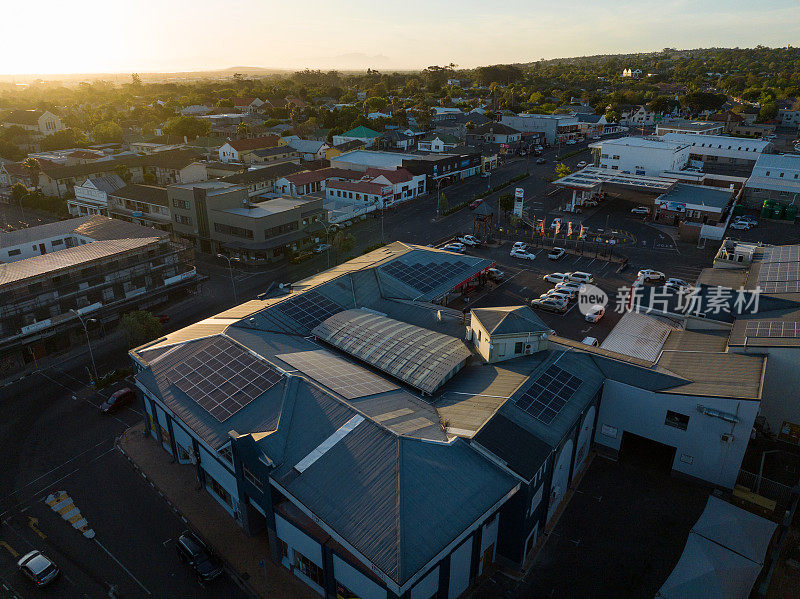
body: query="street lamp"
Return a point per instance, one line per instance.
(327, 242)
(88, 341)
(230, 269)
(761, 469)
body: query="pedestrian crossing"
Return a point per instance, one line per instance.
(61, 503)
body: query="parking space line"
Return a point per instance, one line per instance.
(136, 580)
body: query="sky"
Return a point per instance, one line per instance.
(93, 36)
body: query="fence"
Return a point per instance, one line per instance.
(771, 489)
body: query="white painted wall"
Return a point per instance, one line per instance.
(560, 484)
(219, 473)
(356, 581)
(183, 439)
(297, 539)
(650, 161)
(488, 537)
(642, 412)
(427, 587)
(584, 439)
(459, 568)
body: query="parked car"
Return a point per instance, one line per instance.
(519, 245)
(571, 142)
(571, 287)
(321, 247)
(495, 274)
(676, 284)
(580, 277)
(522, 254)
(581, 164)
(118, 399)
(556, 253)
(590, 204)
(592, 341)
(740, 225)
(550, 304)
(469, 240)
(556, 277)
(595, 313)
(485, 174)
(747, 218)
(39, 568)
(163, 318)
(648, 274)
(475, 204)
(455, 247)
(193, 552)
(640, 210)
(540, 161)
(560, 294)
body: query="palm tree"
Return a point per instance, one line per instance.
(31, 166)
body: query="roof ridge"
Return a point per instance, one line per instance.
(400, 510)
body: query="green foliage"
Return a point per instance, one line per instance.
(444, 205)
(60, 140)
(140, 326)
(343, 242)
(375, 104)
(149, 179)
(38, 201)
(767, 112)
(32, 168)
(187, 126)
(506, 202)
(562, 170)
(11, 151)
(107, 132)
(124, 172)
(242, 130)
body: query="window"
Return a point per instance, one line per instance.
(251, 478)
(518, 347)
(281, 229)
(767, 175)
(219, 490)
(56, 242)
(183, 220)
(182, 204)
(677, 420)
(225, 454)
(308, 568)
(17, 252)
(283, 549)
(233, 231)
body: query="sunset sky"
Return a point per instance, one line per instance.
(86, 36)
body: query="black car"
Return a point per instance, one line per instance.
(193, 552)
(117, 400)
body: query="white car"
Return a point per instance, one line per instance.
(556, 253)
(556, 277)
(558, 293)
(572, 287)
(590, 204)
(550, 303)
(485, 174)
(648, 274)
(469, 240)
(748, 219)
(571, 142)
(640, 210)
(522, 254)
(580, 277)
(518, 245)
(592, 341)
(740, 225)
(581, 164)
(676, 284)
(455, 247)
(595, 313)
(495, 274)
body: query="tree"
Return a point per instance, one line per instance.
(60, 140)
(767, 112)
(124, 172)
(242, 130)
(375, 104)
(444, 205)
(343, 242)
(140, 326)
(31, 166)
(9, 151)
(506, 202)
(562, 170)
(18, 193)
(187, 126)
(106, 132)
(136, 80)
(149, 178)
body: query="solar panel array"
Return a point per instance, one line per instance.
(223, 378)
(772, 328)
(309, 308)
(780, 270)
(426, 277)
(347, 379)
(549, 394)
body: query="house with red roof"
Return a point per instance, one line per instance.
(236, 150)
(300, 184)
(382, 188)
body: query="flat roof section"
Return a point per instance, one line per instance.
(697, 197)
(592, 177)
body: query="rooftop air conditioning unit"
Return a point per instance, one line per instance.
(726, 438)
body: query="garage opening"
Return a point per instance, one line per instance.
(641, 452)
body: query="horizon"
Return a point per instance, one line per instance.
(382, 38)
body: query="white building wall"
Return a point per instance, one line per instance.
(427, 587)
(700, 451)
(642, 160)
(356, 581)
(460, 561)
(296, 540)
(210, 464)
(183, 439)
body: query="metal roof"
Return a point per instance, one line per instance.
(509, 320)
(716, 374)
(639, 335)
(419, 357)
(698, 196)
(521, 451)
(591, 177)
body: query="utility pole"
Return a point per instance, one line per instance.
(88, 341)
(230, 270)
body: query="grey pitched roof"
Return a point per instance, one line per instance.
(523, 452)
(268, 173)
(148, 194)
(107, 183)
(493, 127)
(510, 319)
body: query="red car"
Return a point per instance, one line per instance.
(475, 204)
(117, 400)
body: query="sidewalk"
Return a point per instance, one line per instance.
(178, 484)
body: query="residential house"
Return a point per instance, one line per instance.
(309, 149)
(261, 179)
(249, 105)
(436, 142)
(789, 113)
(273, 155)
(299, 184)
(91, 197)
(397, 140)
(775, 177)
(750, 114)
(634, 73)
(360, 133)
(14, 172)
(145, 205)
(497, 133)
(348, 146)
(195, 110)
(237, 150)
(39, 122)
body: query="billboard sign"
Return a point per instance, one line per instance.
(519, 200)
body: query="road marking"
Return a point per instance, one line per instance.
(34, 524)
(128, 572)
(592, 262)
(62, 504)
(9, 548)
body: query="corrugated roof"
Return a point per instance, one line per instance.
(508, 320)
(147, 194)
(419, 357)
(716, 374)
(639, 335)
(710, 341)
(732, 278)
(268, 173)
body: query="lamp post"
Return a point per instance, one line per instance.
(328, 243)
(230, 270)
(88, 341)
(761, 469)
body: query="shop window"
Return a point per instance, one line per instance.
(308, 568)
(677, 420)
(219, 490)
(183, 453)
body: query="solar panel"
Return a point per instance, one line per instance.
(309, 308)
(785, 253)
(546, 397)
(772, 328)
(223, 378)
(426, 277)
(347, 379)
